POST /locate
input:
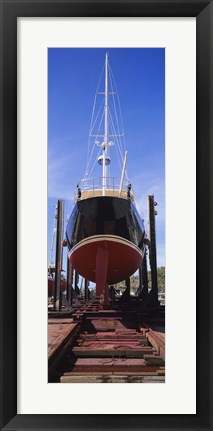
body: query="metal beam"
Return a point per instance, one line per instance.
(59, 254)
(153, 295)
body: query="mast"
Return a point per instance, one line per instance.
(106, 129)
(104, 159)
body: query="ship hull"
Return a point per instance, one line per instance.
(123, 257)
(109, 224)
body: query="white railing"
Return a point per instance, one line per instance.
(111, 184)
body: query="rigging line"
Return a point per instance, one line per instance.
(113, 98)
(115, 108)
(113, 128)
(101, 106)
(95, 139)
(100, 77)
(91, 156)
(119, 106)
(122, 146)
(96, 96)
(116, 137)
(94, 103)
(93, 147)
(91, 128)
(116, 117)
(101, 121)
(95, 162)
(88, 141)
(116, 147)
(122, 125)
(119, 159)
(93, 110)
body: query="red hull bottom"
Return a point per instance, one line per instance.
(123, 257)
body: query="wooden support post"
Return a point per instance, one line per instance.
(140, 277)
(127, 286)
(86, 296)
(69, 281)
(71, 287)
(112, 295)
(125, 298)
(153, 295)
(145, 276)
(143, 294)
(68, 284)
(76, 288)
(59, 254)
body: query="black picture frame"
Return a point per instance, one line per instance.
(10, 11)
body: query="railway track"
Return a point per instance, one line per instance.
(109, 346)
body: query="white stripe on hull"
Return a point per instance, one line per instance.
(110, 238)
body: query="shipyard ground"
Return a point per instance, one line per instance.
(96, 345)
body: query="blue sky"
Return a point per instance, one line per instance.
(73, 76)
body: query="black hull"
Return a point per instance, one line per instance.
(105, 215)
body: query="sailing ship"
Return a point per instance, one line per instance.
(105, 233)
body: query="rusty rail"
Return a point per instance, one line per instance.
(112, 346)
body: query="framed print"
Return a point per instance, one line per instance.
(27, 400)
